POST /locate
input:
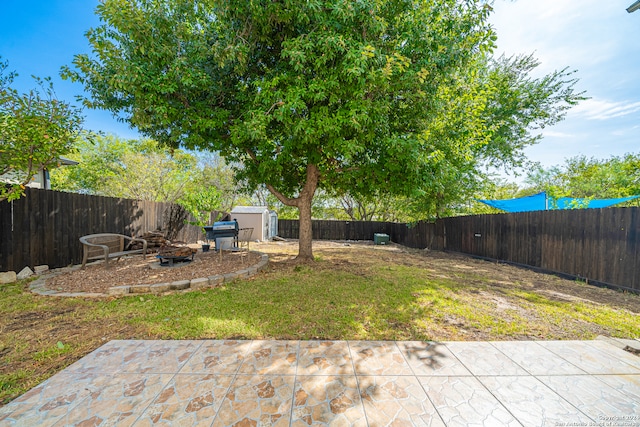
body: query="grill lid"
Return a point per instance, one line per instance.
(225, 225)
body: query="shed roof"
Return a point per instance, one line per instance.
(249, 210)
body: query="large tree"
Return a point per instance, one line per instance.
(347, 96)
(35, 130)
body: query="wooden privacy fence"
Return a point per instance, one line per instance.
(598, 245)
(44, 226)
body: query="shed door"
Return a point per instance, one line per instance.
(265, 226)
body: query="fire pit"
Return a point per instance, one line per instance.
(170, 254)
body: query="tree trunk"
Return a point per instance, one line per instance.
(303, 202)
(305, 242)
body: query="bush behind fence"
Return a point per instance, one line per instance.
(598, 245)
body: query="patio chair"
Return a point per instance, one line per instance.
(244, 238)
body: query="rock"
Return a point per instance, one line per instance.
(230, 277)
(160, 287)
(243, 273)
(180, 284)
(39, 269)
(24, 273)
(200, 283)
(140, 289)
(8, 277)
(216, 280)
(118, 290)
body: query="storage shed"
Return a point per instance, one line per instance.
(263, 221)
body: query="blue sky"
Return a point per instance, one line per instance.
(598, 38)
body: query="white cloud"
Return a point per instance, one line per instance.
(599, 109)
(554, 134)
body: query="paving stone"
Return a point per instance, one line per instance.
(263, 400)
(595, 357)
(268, 357)
(230, 277)
(378, 358)
(120, 401)
(140, 289)
(592, 397)
(160, 287)
(481, 358)
(118, 290)
(532, 402)
(463, 401)
(328, 400)
(199, 283)
(324, 358)
(180, 284)
(242, 273)
(431, 358)
(216, 280)
(535, 359)
(218, 357)
(397, 401)
(161, 356)
(187, 400)
(628, 385)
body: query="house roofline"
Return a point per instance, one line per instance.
(68, 162)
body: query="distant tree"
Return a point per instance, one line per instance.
(219, 174)
(132, 169)
(35, 130)
(200, 203)
(364, 98)
(583, 177)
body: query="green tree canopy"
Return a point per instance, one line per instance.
(364, 97)
(583, 177)
(35, 130)
(132, 169)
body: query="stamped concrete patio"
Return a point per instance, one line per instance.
(362, 383)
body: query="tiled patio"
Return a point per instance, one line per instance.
(301, 383)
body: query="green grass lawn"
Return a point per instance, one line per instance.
(352, 292)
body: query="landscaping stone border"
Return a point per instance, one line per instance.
(38, 286)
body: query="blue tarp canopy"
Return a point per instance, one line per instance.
(543, 202)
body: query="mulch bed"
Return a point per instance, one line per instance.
(136, 270)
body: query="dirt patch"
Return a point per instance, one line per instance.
(136, 270)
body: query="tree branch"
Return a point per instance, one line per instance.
(284, 199)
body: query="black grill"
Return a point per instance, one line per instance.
(222, 229)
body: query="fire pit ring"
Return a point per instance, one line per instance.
(169, 254)
(169, 260)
